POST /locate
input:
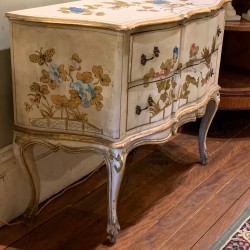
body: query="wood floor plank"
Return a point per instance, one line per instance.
(225, 221)
(191, 180)
(211, 211)
(57, 231)
(169, 223)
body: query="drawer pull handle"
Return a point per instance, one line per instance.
(144, 59)
(138, 108)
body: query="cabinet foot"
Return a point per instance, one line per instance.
(113, 230)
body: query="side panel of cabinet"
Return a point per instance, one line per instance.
(67, 80)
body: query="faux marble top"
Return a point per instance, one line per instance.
(115, 14)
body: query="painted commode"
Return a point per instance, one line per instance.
(108, 76)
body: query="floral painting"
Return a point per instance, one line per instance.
(165, 76)
(84, 91)
(146, 5)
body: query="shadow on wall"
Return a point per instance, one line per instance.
(6, 100)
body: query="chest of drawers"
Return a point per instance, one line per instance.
(109, 76)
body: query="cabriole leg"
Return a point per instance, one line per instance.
(115, 166)
(206, 120)
(24, 155)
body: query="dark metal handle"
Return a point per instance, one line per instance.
(138, 108)
(144, 59)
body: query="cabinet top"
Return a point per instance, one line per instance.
(117, 14)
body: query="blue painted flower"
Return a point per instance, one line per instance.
(175, 52)
(55, 75)
(160, 1)
(76, 9)
(86, 92)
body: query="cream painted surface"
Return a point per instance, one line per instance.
(192, 35)
(106, 13)
(66, 43)
(14, 188)
(144, 43)
(139, 96)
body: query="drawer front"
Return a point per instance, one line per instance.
(199, 55)
(150, 104)
(201, 38)
(195, 70)
(63, 80)
(145, 56)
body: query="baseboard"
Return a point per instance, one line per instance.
(57, 170)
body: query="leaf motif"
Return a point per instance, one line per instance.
(167, 84)
(173, 83)
(147, 76)
(62, 72)
(160, 86)
(45, 78)
(97, 70)
(59, 101)
(85, 77)
(164, 96)
(192, 80)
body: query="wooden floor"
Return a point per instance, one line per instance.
(168, 200)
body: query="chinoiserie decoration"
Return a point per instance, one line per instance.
(65, 111)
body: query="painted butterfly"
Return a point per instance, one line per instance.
(42, 58)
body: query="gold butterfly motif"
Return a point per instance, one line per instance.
(42, 58)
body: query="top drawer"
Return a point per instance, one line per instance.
(143, 44)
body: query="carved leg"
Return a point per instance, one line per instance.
(24, 155)
(116, 166)
(206, 120)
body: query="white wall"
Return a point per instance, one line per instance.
(10, 5)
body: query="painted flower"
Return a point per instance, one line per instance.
(86, 92)
(175, 53)
(45, 78)
(193, 50)
(39, 89)
(160, 2)
(34, 99)
(97, 100)
(206, 55)
(28, 107)
(167, 66)
(74, 63)
(76, 9)
(85, 77)
(60, 101)
(104, 79)
(75, 100)
(58, 73)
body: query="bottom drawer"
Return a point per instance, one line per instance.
(150, 104)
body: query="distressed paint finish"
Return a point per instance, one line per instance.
(87, 89)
